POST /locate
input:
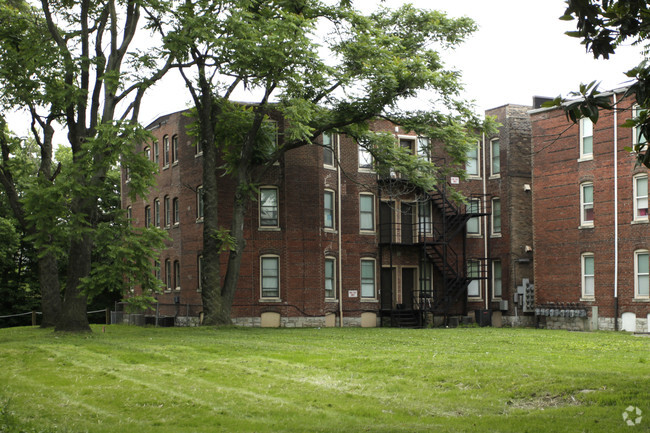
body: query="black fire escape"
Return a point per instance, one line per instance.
(445, 270)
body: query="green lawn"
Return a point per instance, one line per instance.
(132, 379)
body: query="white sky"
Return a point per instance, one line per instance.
(519, 51)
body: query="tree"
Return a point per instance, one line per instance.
(603, 25)
(70, 64)
(339, 82)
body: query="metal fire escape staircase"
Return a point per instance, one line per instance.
(439, 251)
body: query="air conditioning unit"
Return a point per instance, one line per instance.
(503, 305)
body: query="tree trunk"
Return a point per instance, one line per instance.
(235, 256)
(211, 272)
(48, 276)
(74, 316)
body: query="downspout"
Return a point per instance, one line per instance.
(339, 268)
(485, 221)
(615, 214)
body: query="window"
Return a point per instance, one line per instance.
(637, 137)
(473, 273)
(587, 275)
(330, 278)
(147, 216)
(407, 144)
(424, 216)
(156, 270)
(641, 274)
(587, 204)
(177, 275)
(168, 212)
(156, 212)
(168, 274)
(473, 224)
(174, 149)
(199, 148)
(496, 216)
(367, 212)
(269, 207)
(365, 157)
(328, 149)
(199, 268)
(127, 174)
(328, 207)
(270, 276)
(129, 213)
(586, 138)
(471, 166)
(176, 211)
(199, 203)
(424, 150)
(165, 151)
(495, 152)
(368, 278)
(147, 153)
(497, 285)
(156, 152)
(641, 198)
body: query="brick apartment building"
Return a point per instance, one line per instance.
(590, 220)
(335, 244)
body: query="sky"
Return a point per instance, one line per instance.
(519, 51)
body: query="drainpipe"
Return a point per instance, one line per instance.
(615, 214)
(339, 268)
(485, 221)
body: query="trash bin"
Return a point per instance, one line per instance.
(483, 317)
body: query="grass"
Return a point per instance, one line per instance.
(132, 379)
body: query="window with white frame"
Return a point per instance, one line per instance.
(368, 280)
(330, 278)
(641, 197)
(495, 156)
(129, 213)
(269, 207)
(156, 270)
(641, 274)
(270, 276)
(147, 216)
(424, 150)
(147, 153)
(165, 151)
(637, 137)
(328, 209)
(328, 149)
(156, 212)
(177, 275)
(176, 211)
(174, 149)
(156, 152)
(424, 217)
(367, 212)
(472, 163)
(199, 203)
(168, 212)
(588, 275)
(474, 223)
(365, 157)
(496, 216)
(587, 204)
(473, 273)
(168, 274)
(497, 282)
(198, 148)
(586, 138)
